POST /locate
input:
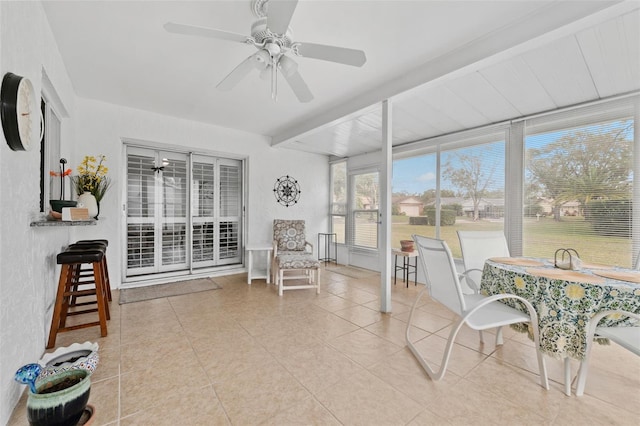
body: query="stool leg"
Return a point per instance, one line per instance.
(57, 309)
(100, 295)
(106, 275)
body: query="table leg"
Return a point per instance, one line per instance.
(249, 261)
(395, 269)
(406, 270)
(268, 266)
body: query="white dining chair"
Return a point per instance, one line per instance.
(475, 310)
(627, 337)
(477, 247)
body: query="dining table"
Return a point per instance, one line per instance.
(565, 300)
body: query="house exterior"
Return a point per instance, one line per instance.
(410, 206)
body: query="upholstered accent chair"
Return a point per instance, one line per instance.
(293, 257)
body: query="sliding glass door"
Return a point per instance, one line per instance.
(183, 211)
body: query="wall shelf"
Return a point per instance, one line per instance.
(47, 223)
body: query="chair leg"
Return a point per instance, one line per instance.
(317, 280)
(499, 339)
(567, 376)
(582, 376)
(481, 336)
(280, 281)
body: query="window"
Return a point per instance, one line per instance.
(339, 200)
(579, 188)
(364, 210)
(470, 194)
(51, 186)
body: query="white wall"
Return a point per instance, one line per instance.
(101, 128)
(28, 270)
(27, 255)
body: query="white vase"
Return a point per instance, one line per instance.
(88, 201)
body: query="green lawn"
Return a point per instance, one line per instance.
(542, 238)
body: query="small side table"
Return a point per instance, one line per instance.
(407, 268)
(329, 239)
(260, 273)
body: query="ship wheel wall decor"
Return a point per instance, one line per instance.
(287, 191)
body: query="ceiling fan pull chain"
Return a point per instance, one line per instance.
(274, 78)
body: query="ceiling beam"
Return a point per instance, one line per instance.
(553, 21)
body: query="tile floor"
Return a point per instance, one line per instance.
(243, 356)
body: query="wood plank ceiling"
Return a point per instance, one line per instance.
(594, 63)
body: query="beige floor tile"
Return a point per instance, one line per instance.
(224, 362)
(363, 399)
(591, 411)
(259, 393)
(334, 303)
(364, 347)
(108, 364)
(518, 386)
(425, 320)
(360, 315)
(143, 389)
(319, 367)
(471, 338)
(305, 412)
(244, 355)
(428, 418)
(468, 403)
(461, 360)
(394, 330)
(192, 406)
(358, 296)
(104, 397)
(156, 353)
(286, 342)
(402, 371)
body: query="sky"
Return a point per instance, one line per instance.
(417, 174)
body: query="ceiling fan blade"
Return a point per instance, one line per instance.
(176, 28)
(290, 71)
(341, 55)
(279, 13)
(238, 73)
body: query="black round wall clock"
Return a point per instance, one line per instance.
(17, 110)
(286, 190)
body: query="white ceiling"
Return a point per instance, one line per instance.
(447, 65)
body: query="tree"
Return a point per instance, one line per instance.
(470, 174)
(584, 165)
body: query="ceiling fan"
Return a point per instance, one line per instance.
(271, 35)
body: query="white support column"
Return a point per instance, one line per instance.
(514, 188)
(386, 171)
(635, 220)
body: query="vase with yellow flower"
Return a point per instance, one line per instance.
(91, 183)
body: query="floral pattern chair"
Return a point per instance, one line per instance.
(291, 259)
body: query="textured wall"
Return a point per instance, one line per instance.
(27, 255)
(28, 272)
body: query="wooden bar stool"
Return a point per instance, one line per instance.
(68, 287)
(100, 245)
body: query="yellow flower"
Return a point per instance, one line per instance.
(574, 291)
(519, 282)
(613, 293)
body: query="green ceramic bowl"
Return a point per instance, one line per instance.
(57, 205)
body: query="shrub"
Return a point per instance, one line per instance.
(418, 220)
(609, 217)
(447, 217)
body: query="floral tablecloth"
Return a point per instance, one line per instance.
(564, 307)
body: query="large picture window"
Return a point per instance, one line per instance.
(579, 191)
(464, 190)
